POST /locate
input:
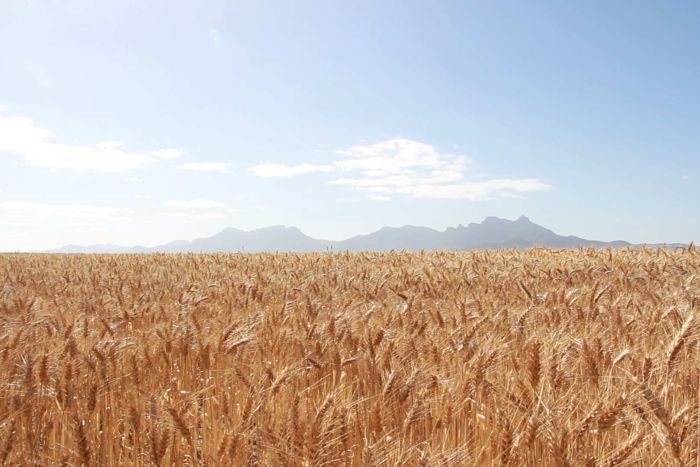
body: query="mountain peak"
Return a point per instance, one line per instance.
(492, 232)
(490, 220)
(494, 220)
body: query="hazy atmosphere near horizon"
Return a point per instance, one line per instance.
(139, 123)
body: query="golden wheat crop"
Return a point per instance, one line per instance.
(538, 357)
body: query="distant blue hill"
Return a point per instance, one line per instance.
(491, 233)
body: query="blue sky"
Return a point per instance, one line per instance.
(136, 122)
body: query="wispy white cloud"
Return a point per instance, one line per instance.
(36, 145)
(211, 215)
(221, 167)
(195, 204)
(475, 190)
(216, 39)
(408, 168)
(685, 177)
(20, 224)
(269, 170)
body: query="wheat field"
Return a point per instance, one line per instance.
(537, 357)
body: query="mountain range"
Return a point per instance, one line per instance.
(491, 233)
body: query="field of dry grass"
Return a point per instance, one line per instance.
(580, 357)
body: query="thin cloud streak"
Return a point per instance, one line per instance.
(188, 215)
(37, 211)
(221, 167)
(195, 204)
(269, 170)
